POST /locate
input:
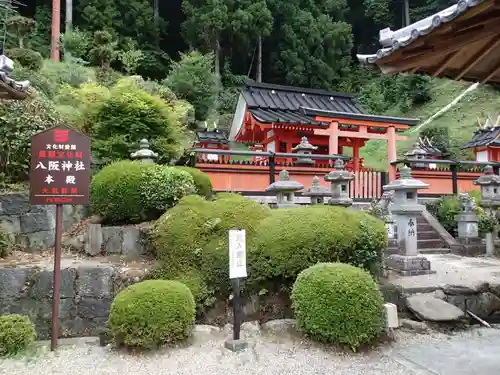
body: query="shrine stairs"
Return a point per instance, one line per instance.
(428, 239)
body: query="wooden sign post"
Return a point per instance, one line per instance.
(237, 271)
(59, 174)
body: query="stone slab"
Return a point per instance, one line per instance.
(470, 353)
(428, 308)
(236, 345)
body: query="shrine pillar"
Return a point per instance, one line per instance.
(355, 156)
(333, 142)
(391, 152)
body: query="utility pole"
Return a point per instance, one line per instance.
(69, 16)
(56, 30)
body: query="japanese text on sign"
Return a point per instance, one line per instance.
(60, 167)
(237, 254)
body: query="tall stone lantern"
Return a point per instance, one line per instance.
(316, 192)
(406, 209)
(285, 190)
(304, 149)
(339, 179)
(489, 183)
(144, 154)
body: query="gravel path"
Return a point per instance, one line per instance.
(266, 355)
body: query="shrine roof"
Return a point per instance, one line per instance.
(275, 103)
(457, 43)
(484, 137)
(212, 136)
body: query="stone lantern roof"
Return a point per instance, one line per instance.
(488, 179)
(405, 181)
(284, 184)
(304, 145)
(144, 153)
(339, 174)
(316, 190)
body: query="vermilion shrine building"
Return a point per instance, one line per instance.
(277, 117)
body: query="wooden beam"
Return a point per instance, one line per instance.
(348, 134)
(477, 57)
(445, 63)
(439, 49)
(491, 74)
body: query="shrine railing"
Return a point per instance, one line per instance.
(251, 177)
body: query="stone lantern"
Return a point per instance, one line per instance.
(406, 208)
(339, 179)
(304, 149)
(285, 190)
(316, 192)
(144, 154)
(415, 154)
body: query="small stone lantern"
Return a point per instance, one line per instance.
(316, 192)
(339, 179)
(415, 154)
(144, 154)
(304, 149)
(285, 190)
(406, 209)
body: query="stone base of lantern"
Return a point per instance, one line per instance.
(340, 202)
(469, 247)
(409, 265)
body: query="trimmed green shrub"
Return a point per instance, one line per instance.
(338, 303)
(290, 240)
(191, 239)
(115, 192)
(17, 333)
(201, 180)
(163, 187)
(28, 58)
(5, 244)
(152, 313)
(131, 191)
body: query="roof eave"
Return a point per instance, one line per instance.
(362, 117)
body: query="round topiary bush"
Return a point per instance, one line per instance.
(201, 180)
(338, 303)
(290, 240)
(17, 333)
(131, 191)
(152, 313)
(28, 58)
(191, 238)
(115, 192)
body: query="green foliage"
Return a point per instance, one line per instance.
(21, 26)
(338, 303)
(202, 181)
(128, 191)
(17, 333)
(128, 115)
(131, 58)
(103, 50)
(67, 73)
(28, 58)
(20, 120)
(75, 43)
(440, 138)
(192, 79)
(291, 240)
(152, 313)
(5, 244)
(191, 239)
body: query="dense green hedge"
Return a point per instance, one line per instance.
(201, 181)
(131, 191)
(338, 303)
(191, 239)
(290, 240)
(17, 333)
(152, 313)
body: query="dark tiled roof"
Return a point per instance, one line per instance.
(392, 41)
(211, 136)
(276, 103)
(484, 137)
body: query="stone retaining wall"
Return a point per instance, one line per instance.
(87, 290)
(32, 227)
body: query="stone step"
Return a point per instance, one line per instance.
(436, 250)
(424, 227)
(429, 243)
(427, 235)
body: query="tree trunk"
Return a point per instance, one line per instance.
(21, 42)
(258, 77)
(217, 58)
(156, 11)
(69, 15)
(406, 12)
